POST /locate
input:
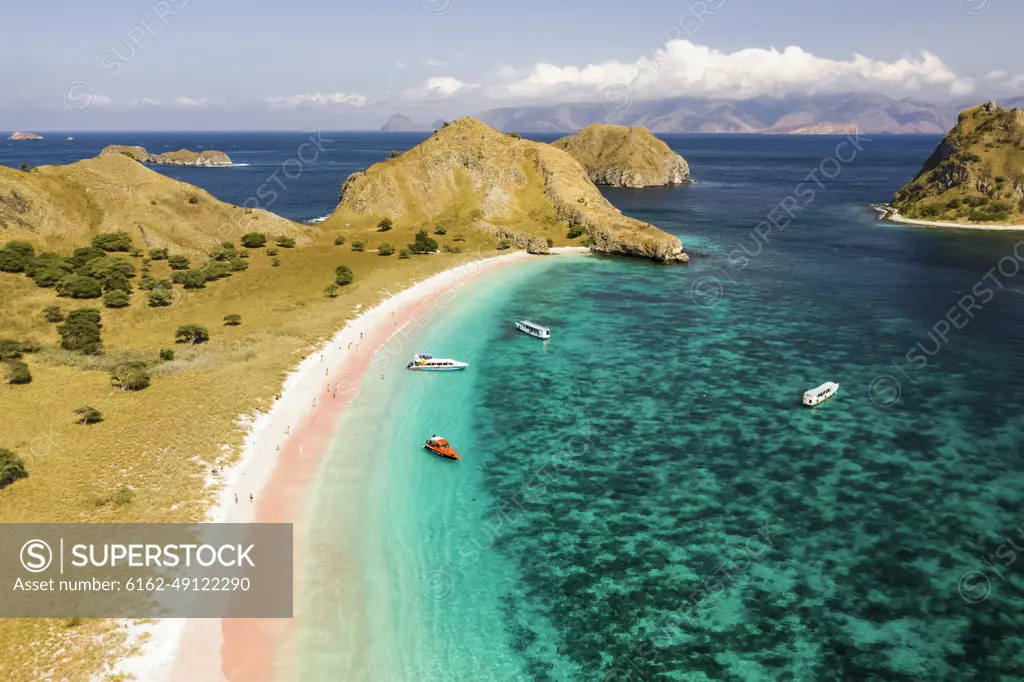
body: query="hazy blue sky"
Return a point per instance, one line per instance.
(263, 64)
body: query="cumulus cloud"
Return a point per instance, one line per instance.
(154, 102)
(438, 87)
(434, 62)
(315, 99)
(685, 68)
(1005, 81)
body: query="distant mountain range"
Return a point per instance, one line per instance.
(867, 112)
(400, 123)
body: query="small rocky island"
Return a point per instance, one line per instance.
(182, 157)
(471, 176)
(975, 177)
(25, 136)
(617, 156)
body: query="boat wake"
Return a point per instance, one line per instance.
(314, 221)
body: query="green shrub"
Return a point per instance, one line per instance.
(343, 275)
(113, 241)
(393, 154)
(81, 331)
(404, 253)
(440, 231)
(1020, 206)
(53, 313)
(85, 254)
(11, 468)
(385, 249)
(191, 279)
(12, 261)
(126, 495)
(193, 199)
(953, 204)
(271, 252)
(101, 268)
(976, 201)
(254, 240)
(158, 254)
(223, 254)
(587, 241)
(47, 269)
(238, 265)
(166, 354)
(17, 372)
(358, 246)
(339, 240)
(88, 415)
(504, 245)
(446, 248)
(285, 242)
(423, 244)
(215, 270)
(192, 334)
(1000, 206)
(178, 262)
(331, 290)
(243, 254)
(550, 242)
(275, 262)
(385, 225)
(147, 283)
(10, 349)
(515, 136)
(232, 320)
(117, 282)
(162, 284)
(24, 248)
(130, 376)
(575, 231)
(77, 286)
(116, 299)
(929, 211)
(159, 298)
(135, 252)
(459, 237)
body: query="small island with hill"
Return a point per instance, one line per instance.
(25, 136)
(182, 157)
(616, 156)
(974, 179)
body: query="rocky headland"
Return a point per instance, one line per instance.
(470, 175)
(617, 156)
(25, 136)
(182, 157)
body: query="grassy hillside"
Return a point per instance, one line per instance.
(468, 177)
(625, 157)
(147, 459)
(976, 175)
(58, 208)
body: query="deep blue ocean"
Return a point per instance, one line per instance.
(643, 497)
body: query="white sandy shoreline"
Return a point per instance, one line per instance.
(160, 642)
(892, 215)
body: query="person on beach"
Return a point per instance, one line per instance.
(287, 430)
(236, 498)
(279, 446)
(250, 498)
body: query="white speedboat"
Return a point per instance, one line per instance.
(533, 329)
(424, 362)
(820, 394)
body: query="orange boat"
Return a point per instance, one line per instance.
(441, 447)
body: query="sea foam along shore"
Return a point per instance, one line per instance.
(196, 650)
(891, 214)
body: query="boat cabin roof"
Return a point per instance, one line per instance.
(532, 324)
(828, 385)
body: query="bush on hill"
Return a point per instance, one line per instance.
(12, 468)
(158, 254)
(254, 240)
(285, 242)
(343, 275)
(116, 298)
(215, 270)
(385, 249)
(17, 372)
(166, 354)
(331, 290)
(339, 240)
(190, 279)
(18, 246)
(271, 251)
(78, 286)
(223, 254)
(424, 243)
(275, 262)
(53, 313)
(575, 231)
(81, 256)
(178, 262)
(88, 415)
(358, 246)
(238, 265)
(232, 320)
(192, 334)
(130, 376)
(10, 349)
(81, 331)
(504, 245)
(440, 231)
(12, 261)
(113, 241)
(404, 253)
(159, 298)
(117, 282)
(385, 225)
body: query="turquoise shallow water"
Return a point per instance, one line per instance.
(643, 497)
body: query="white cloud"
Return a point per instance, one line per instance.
(438, 87)
(1005, 81)
(315, 99)
(684, 68)
(434, 62)
(155, 102)
(401, 66)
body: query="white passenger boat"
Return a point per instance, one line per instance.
(424, 362)
(532, 329)
(820, 394)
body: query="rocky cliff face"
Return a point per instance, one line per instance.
(975, 175)
(182, 157)
(625, 157)
(470, 175)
